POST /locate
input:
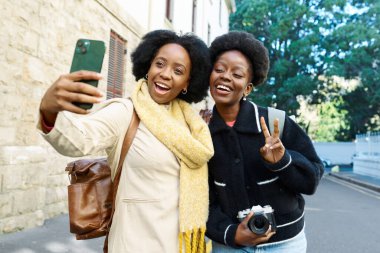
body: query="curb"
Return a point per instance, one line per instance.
(370, 186)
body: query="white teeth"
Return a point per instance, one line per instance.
(162, 85)
(223, 87)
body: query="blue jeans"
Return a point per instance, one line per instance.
(297, 244)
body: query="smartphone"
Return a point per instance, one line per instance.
(88, 55)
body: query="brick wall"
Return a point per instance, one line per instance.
(37, 45)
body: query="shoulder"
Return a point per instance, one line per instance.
(115, 113)
(114, 103)
(257, 110)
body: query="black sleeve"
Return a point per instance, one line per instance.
(300, 169)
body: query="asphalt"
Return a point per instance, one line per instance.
(54, 236)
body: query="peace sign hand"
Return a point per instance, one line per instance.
(273, 150)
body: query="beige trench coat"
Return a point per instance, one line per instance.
(146, 215)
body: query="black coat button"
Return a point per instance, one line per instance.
(237, 160)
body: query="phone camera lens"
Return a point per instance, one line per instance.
(80, 43)
(83, 50)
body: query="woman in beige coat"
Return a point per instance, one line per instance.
(162, 199)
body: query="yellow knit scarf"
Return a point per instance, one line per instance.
(184, 133)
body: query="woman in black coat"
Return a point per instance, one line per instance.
(251, 166)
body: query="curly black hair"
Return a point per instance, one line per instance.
(145, 52)
(248, 45)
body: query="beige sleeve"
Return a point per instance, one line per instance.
(76, 135)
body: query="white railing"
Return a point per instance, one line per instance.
(368, 144)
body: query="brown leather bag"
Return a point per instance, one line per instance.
(91, 192)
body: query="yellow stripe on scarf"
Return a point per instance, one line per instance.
(193, 241)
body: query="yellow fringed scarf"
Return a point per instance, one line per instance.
(184, 133)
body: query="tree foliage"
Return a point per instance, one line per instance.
(310, 39)
(330, 121)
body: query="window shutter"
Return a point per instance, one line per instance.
(116, 66)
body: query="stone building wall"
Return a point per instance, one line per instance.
(37, 43)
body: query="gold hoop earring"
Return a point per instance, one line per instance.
(146, 77)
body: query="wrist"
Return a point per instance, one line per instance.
(47, 120)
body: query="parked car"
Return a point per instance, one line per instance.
(326, 162)
(353, 158)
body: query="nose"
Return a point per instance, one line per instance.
(165, 73)
(226, 75)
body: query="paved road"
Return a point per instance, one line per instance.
(342, 217)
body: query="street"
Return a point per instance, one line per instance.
(341, 217)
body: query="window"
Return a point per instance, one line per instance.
(194, 24)
(220, 12)
(208, 34)
(116, 66)
(169, 7)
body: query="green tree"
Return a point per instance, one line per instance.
(308, 40)
(330, 121)
(357, 49)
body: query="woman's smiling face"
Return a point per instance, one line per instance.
(169, 73)
(230, 77)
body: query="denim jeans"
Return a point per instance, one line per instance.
(297, 244)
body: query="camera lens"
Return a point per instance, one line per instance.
(83, 50)
(258, 224)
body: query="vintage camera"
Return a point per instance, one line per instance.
(262, 218)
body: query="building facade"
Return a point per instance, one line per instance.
(37, 46)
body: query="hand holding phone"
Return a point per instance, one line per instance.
(88, 55)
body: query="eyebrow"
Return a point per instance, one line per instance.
(239, 66)
(176, 63)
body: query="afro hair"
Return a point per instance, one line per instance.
(145, 52)
(248, 45)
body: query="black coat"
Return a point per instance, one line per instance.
(239, 178)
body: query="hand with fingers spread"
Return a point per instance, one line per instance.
(66, 90)
(245, 237)
(273, 150)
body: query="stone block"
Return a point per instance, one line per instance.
(22, 178)
(61, 180)
(7, 136)
(55, 209)
(28, 201)
(36, 71)
(25, 40)
(56, 194)
(17, 223)
(11, 155)
(14, 56)
(5, 205)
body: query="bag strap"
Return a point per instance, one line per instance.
(274, 113)
(129, 136)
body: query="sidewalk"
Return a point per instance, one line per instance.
(54, 236)
(368, 182)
